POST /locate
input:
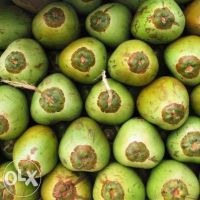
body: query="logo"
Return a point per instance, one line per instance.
(12, 177)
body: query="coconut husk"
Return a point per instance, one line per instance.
(32, 6)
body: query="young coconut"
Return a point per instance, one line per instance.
(64, 184)
(56, 25)
(182, 57)
(83, 60)
(55, 99)
(109, 102)
(192, 17)
(25, 61)
(12, 124)
(158, 22)
(36, 148)
(172, 180)
(134, 63)
(15, 24)
(138, 144)
(132, 4)
(117, 182)
(14, 189)
(84, 6)
(183, 144)
(103, 22)
(84, 147)
(164, 102)
(194, 99)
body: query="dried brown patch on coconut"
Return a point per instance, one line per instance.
(188, 66)
(112, 190)
(106, 105)
(190, 144)
(7, 192)
(83, 59)
(15, 62)
(163, 18)
(83, 157)
(52, 100)
(54, 17)
(174, 189)
(4, 125)
(33, 150)
(32, 166)
(173, 113)
(65, 188)
(137, 152)
(108, 101)
(138, 62)
(100, 21)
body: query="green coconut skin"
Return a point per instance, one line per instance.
(125, 110)
(12, 100)
(130, 182)
(15, 24)
(118, 64)
(185, 46)
(35, 61)
(175, 141)
(171, 170)
(132, 4)
(138, 130)
(84, 6)
(162, 92)
(144, 28)
(20, 188)
(84, 131)
(99, 58)
(56, 37)
(61, 174)
(38, 143)
(120, 16)
(69, 111)
(194, 99)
